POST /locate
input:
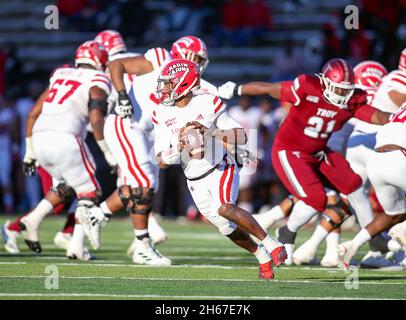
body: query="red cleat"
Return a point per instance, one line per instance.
(278, 255)
(265, 271)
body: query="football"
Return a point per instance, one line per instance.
(194, 143)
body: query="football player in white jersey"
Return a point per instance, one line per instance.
(117, 49)
(55, 138)
(127, 130)
(191, 128)
(386, 170)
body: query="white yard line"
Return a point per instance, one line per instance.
(191, 279)
(106, 295)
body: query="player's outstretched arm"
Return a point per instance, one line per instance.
(34, 113)
(138, 65)
(373, 115)
(231, 89)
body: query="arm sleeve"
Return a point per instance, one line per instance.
(157, 57)
(365, 113)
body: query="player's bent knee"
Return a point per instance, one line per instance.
(227, 210)
(64, 192)
(136, 200)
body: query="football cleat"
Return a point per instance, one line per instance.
(305, 254)
(62, 240)
(9, 239)
(330, 259)
(346, 251)
(92, 220)
(156, 233)
(375, 260)
(279, 255)
(146, 253)
(79, 253)
(265, 271)
(30, 233)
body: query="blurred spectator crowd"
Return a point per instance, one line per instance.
(228, 23)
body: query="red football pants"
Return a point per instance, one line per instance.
(305, 175)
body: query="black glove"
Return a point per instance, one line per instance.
(123, 108)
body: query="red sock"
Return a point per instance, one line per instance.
(15, 225)
(58, 209)
(69, 224)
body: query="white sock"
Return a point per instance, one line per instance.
(41, 211)
(140, 232)
(360, 203)
(78, 235)
(152, 223)
(105, 208)
(333, 238)
(270, 244)
(362, 237)
(394, 246)
(318, 236)
(269, 217)
(300, 215)
(262, 254)
(246, 206)
(332, 241)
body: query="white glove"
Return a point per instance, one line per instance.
(227, 90)
(123, 108)
(107, 154)
(30, 159)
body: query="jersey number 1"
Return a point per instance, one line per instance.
(72, 84)
(315, 128)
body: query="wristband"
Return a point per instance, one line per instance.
(170, 156)
(237, 90)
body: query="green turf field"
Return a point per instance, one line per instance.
(205, 266)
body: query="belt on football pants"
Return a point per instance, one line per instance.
(390, 147)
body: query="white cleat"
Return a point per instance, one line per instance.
(30, 233)
(330, 260)
(131, 248)
(398, 233)
(305, 254)
(62, 240)
(289, 250)
(79, 252)
(156, 233)
(145, 253)
(346, 251)
(92, 219)
(10, 239)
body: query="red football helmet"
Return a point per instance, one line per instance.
(93, 53)
(338, 79)
(178, 77)
(369, 73)
(402, 60)
(193, 49)
(112, 41)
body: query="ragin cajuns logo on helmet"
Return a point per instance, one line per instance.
(178, 67)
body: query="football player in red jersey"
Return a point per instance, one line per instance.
(322, 104)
